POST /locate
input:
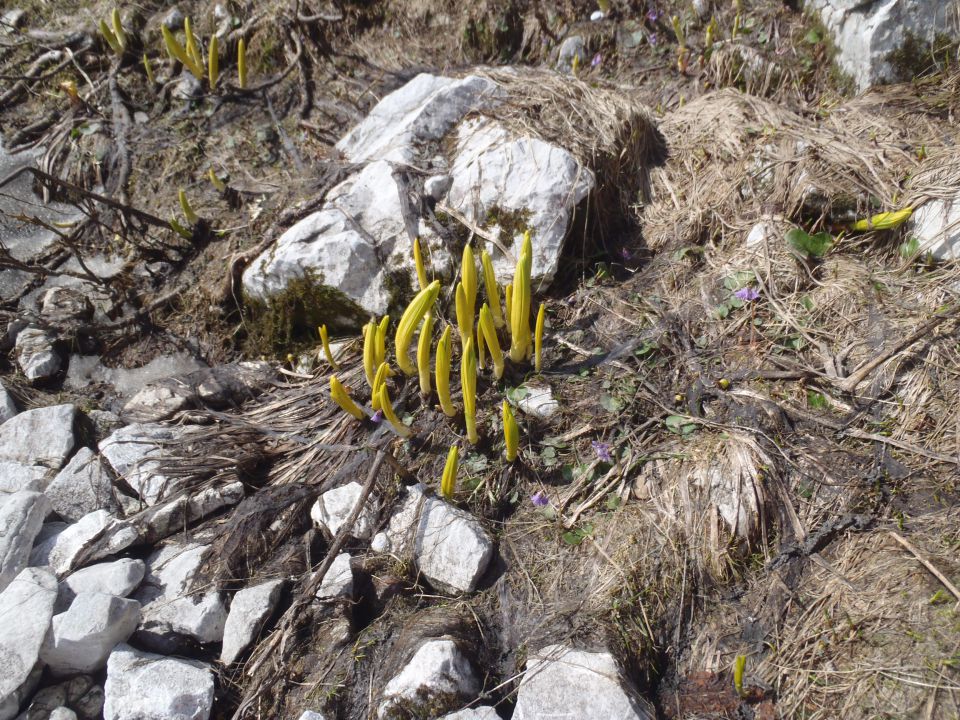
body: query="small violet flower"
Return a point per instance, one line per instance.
(597, 59)
(377, 417)
(653, 15)
(539, 500)
(747, 294)
(652, 39)
(602, 450)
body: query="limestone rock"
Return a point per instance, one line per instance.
(63, 713)
(7, 407)
(73, 547)
(118, 578)
(143, 686)
(20, 641)
(134, 452)
(539, 402)
(572, 49)
(449, 547)
(161, 521)
(500, 178)
(422, 111)
(82, 638)
(43, 436)
(36, 354)
(437, 668)
(334, 506)
(249, 610)
(63, 304)
(82, 487)
(15, 477)
(338, 582)
(21, 518)
(563, 682)
(936, 226)
(478, 713)
(10, 704)
(172, 609)
(312, 715)
(866, 33)
(437, 186)
(157, 402)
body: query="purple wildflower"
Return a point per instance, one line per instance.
(652, 39)
(602, 450)
(747, 294)
(377, 417)
(597, 59)
(539, 500)
(653, 15)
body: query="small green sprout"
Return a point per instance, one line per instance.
(213, 62)
(188, 212)
(409, 321)
(489, 332)
(739, 665)
(520, 303)
(538, 339)
(418, 262)
(341, 398)
(468, 383)
(448, 482)
(325, 341)
(370, 352)
(387, 408)
(217, 183)
(423, 353)
(148, 68)
(179, 53)
(242, 64)
(444, 352)
(511, 433)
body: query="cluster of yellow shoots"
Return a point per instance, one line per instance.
(477, 342)
(190, 54)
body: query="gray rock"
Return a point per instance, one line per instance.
(94, 536)
(157, 402)
(63, 304)
(82, 487)
(118, 578)
(438, 668)
(161, 521)
(355, 243)
(249, 610)
(79, 693)
(495, 172)
(312, 715)
(43, 436)
(449, 547)
(134, 453)
(562, 682)
(81, 639)
(7, 407)
(866, 33)
(174, 19)
(338, 582)
(36, 354)
(936, 226)
(478, 713)
(437, 186)
(539, 402)
(21, 518)
(422, 111)
(334, 507)
(10, 705)
(188, 87)
(15, 477)
(172, 608)
(20, 640)
(572, 47)
(143, 686)
(63, 713)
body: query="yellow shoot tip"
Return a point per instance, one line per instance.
(423, 353)
(538, 339)
(511, 433)
(381, 343)
(387, 407)
(418, 262)
(468, 383)
(217, 183)
(325, 341)
(242, 64)
(489, 330)
(341, 398)
(111, 38)
(444, 353)
(176, 51)
(448, 482)
(213, 62)
(118, 30)
(370, 353)
(493, 290)
(409, 321)
(188, 213)
(148, 68)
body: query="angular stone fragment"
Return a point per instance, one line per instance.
(118, 578)
(22, 633)
(43, 436)
(437, 669)
(134, 452)
(81, 639)
(334, 507)
(21, 518)
(82, 487)
(143, 686)
(249, 610)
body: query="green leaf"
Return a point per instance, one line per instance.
(813, 37)
(645, 349)
(738, 280)
(573, 537)
(722, 310)
(610, 403)
(816, 401)
(910, 248)
(613, 501)
(515, 395)
(680, 425)
(809, 245)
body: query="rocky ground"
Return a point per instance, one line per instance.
(735, 493)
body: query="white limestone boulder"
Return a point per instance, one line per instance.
(422, 111)
(81, 639)
(134, 452)
(936, 226)
(144, 686)
(866, 33)
(43, 436)
(15, 477)
(338, 582)
(437, 668)
(478, 713)
(21, 518)
(27, 608)
(118, 578)
(450, 548)
(249, 610)
(521, 183)
(7, 407)
(563, 682)
(82, 487)
(334, 506)
(95, 536)
(172, 608)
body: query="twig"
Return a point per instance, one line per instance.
(927, 564)
(476, 229)
(850, 383)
